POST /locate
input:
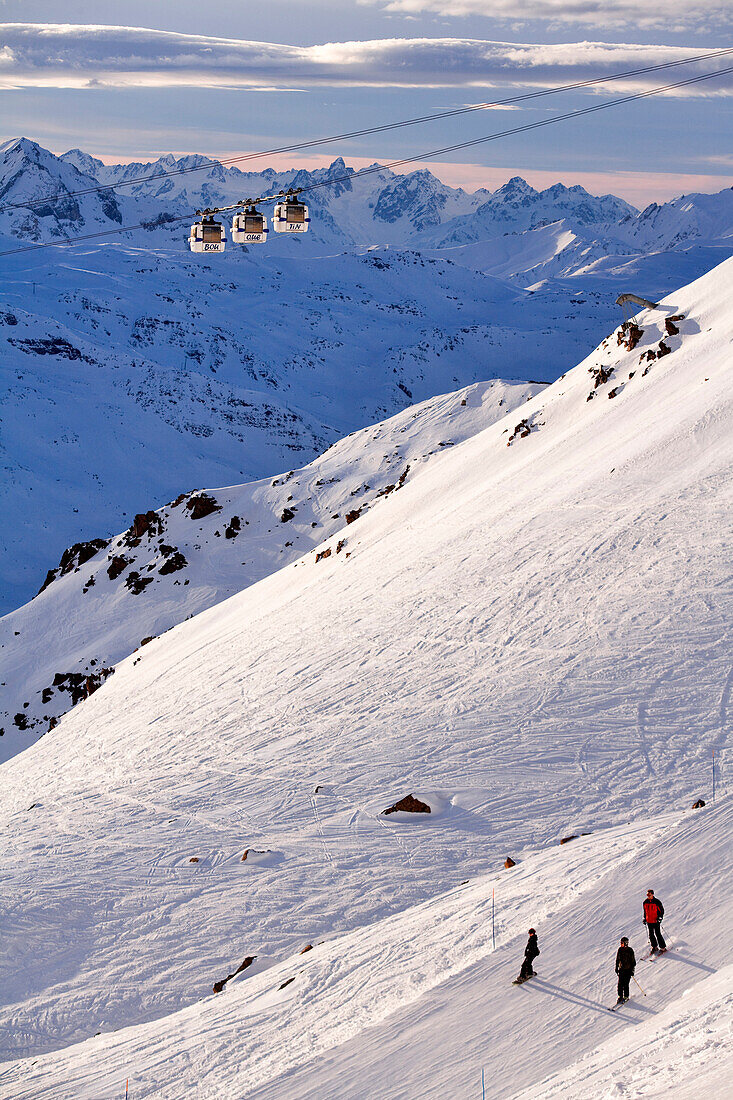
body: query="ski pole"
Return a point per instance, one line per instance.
(638, 984)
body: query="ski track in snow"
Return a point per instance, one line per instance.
(380, 1009)
(535, 640)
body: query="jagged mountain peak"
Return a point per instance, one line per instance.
(515, 185)
(87, 164)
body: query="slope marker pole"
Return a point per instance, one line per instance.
(713, 775)
(127, 1085)
(493, 927)
(483, 1086)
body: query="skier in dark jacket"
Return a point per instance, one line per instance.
(653, 913)
(625, 967)
(531, 952)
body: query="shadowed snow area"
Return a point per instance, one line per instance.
(207, 545)
(531, 636)
(135, 370)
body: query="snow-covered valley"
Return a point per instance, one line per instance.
(132, 371)
(531, 634)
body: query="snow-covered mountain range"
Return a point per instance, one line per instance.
(352, 209)
(530, 636)
(133, 371)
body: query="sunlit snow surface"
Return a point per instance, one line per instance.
(534, 638)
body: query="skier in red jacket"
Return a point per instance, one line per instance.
(653, 913)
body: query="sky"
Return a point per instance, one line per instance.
(131, 80)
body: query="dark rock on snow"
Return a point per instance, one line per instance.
(72, 558)
(202, 505)
(174, 563)
(218, 986)
(117, 565)
(410, 805)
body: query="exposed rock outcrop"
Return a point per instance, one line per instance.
(202, 505)
(72, 558)
(218, 986)
(117, 565)
(409, 805)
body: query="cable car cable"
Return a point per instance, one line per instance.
(395, 163)
(574, 86)
(521, 129)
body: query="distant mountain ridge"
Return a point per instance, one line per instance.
(352, 209)
(356, 209)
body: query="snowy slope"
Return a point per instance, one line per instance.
(131, 376)
(107, 596)
(533, 636)
(421, 1002)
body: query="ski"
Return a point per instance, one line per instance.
(653, 955)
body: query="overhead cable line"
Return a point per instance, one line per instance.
(315, 142)
(154, 223)
(520, 129)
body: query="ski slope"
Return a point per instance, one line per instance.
(419, 1003)
(533, 636)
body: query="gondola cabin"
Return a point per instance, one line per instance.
(207, 236)
(291, 216)
(249, 227)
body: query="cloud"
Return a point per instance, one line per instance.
(672, 15)
(69, 56)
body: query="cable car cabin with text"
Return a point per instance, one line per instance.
(291, 216)
(207, 236)
(249, 227)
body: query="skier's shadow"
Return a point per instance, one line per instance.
(675, 955)
(543, 986)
